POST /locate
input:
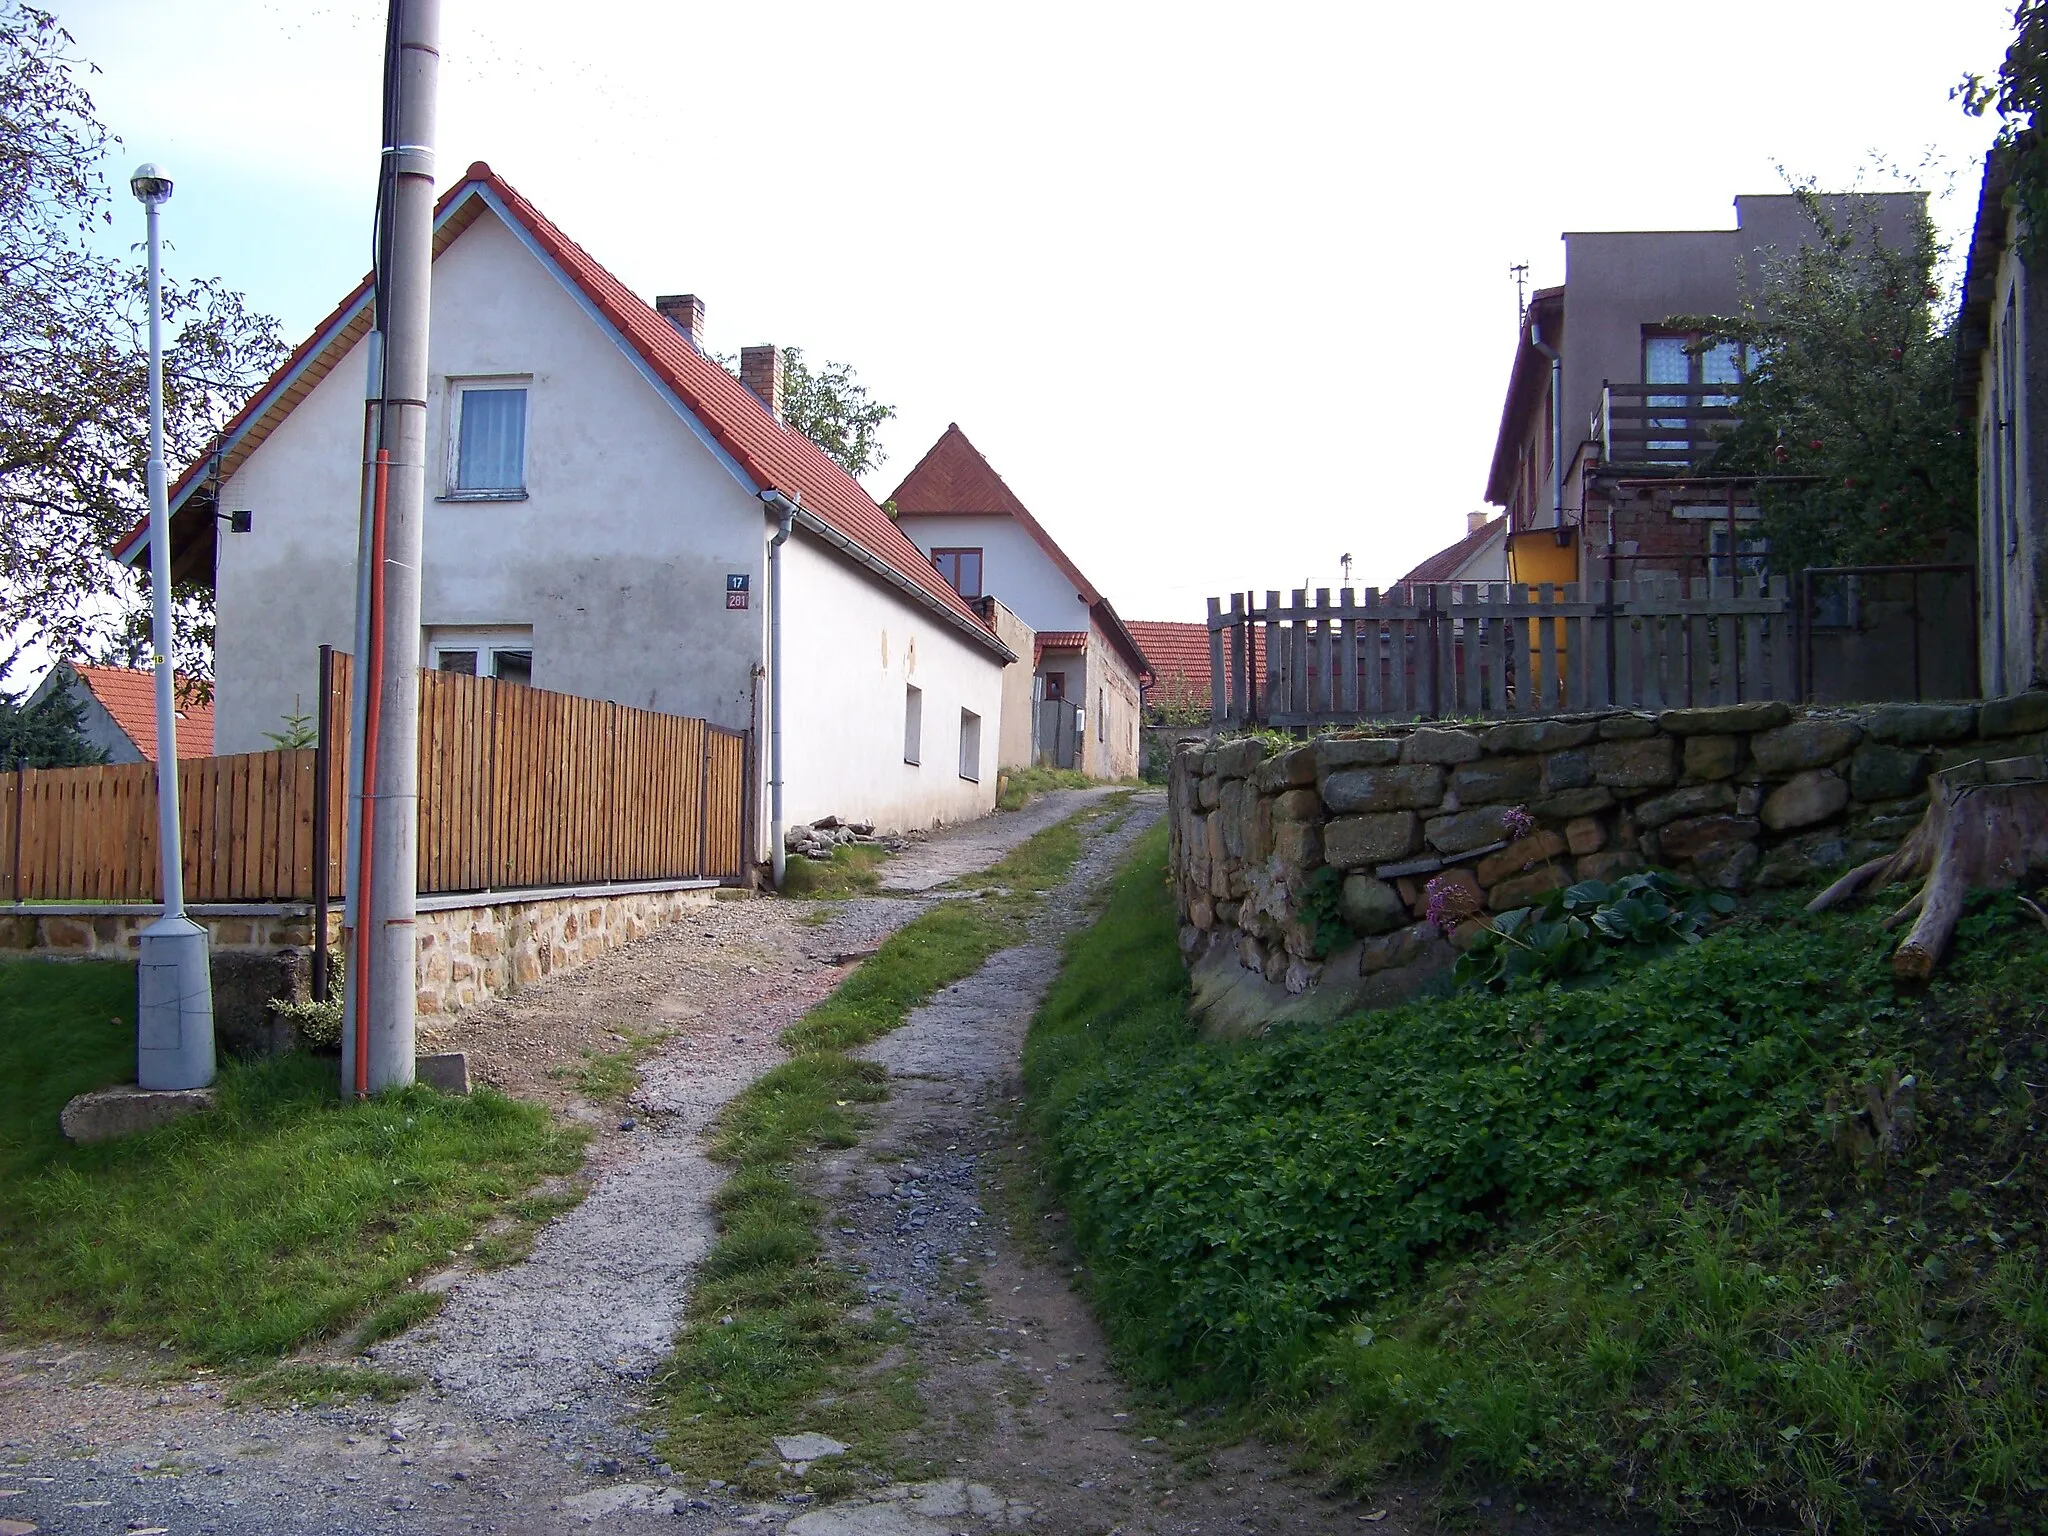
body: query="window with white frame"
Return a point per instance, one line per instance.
(486, 439)
(501, 651)
(970, 745)
(913, 724)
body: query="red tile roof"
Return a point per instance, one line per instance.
(954, 478)
(1443, 565)
(771, 454)
(1180, 655)
(130, 697)
(1057, 640)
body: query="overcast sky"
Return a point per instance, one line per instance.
(1222, 292)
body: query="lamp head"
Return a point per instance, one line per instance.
(151, 184)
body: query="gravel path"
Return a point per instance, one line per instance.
(536, 1374)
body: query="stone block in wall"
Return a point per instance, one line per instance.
(1290, 770)
(1749, 799)
(1803, 744)
(17, 933)
(1707, 836)
(1806, 798)
(1647, 763)
(1404, 946)
(1804, 860)
(1237, 759)
(1571, 803)
(1728, 869)
(2013, 716)
(1274, 965)
(1520, 890)
(1465, 831)
(1371, 906)
(1720, 719)
(1298, 805)
(1352, 841)
(1886, 773)
(1409, 787)
(1434, 745)
(1627, 727)
(1569, 769)
(1208, 792)
(1335, 753)
(1692, 800)
(1585, 834)
(1893, 819)
(1540, 735)
(67, 933)
(1712, 757)
(1518, 857)
(1234, 811)
(1226, 913)
(243, 986)
(1611, 865)
(1298, 845)
(1207, 761)
(1202, 913)
(1920, 723)
(1506, 779)
(1218, 860)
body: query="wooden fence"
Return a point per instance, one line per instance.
(89, 834)
(1437, 650)
(519, 788)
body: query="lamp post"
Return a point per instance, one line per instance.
(174, 1012)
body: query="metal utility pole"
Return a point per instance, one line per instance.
(377, 1036)
(174, 1003)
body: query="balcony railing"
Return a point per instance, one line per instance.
(1676, 428)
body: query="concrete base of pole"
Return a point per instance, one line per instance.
(174, 1012)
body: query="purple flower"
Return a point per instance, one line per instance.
(1518, 822)
(1449, 902)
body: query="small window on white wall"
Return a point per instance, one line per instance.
(487, 441)
(970, 745)
(913, 723)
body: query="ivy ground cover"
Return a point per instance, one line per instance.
(1599, 1241)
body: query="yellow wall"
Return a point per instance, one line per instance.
(1535, 557)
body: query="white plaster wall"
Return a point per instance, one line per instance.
(849, 648)
(617, 558)
(1014, 569)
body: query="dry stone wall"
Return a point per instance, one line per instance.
(1737, 797)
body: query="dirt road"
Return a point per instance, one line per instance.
(535, 1376)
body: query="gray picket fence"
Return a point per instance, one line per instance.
(1446, 650)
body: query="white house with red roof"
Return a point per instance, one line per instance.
(596, 525)
(983, 540)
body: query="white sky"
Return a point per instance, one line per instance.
(1222, 292)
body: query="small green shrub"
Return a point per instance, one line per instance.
(318, 1024)
(1573, 933)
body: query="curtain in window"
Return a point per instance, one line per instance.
(1665, 362)
(492, 453)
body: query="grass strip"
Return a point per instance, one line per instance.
(283, 1214)
(776, 1338)
(1615, 1242)
(855, 869)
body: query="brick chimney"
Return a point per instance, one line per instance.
(1474, 521)
(761, 371)
(684, 311)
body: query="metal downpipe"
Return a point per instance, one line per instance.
(786, 509)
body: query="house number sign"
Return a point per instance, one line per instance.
(736, 585)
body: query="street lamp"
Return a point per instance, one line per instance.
(174, 1012)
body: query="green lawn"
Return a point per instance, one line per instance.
(284, 1214)
(1596, 1242)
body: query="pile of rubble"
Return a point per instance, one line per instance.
(817, 840)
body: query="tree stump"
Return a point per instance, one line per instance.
(1986, 827)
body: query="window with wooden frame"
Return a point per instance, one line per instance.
(961, 568)
(970, 745)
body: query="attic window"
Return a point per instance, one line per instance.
(961, 568)
(487, 449)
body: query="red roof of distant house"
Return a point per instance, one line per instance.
(1057, 640)
(1180, 654)
(130, 697)
(954, 478)
(771, 454)
(1443, 565)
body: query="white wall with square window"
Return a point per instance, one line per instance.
(502, 651)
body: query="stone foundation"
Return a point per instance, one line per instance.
(1734, 798)
(471, 948)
